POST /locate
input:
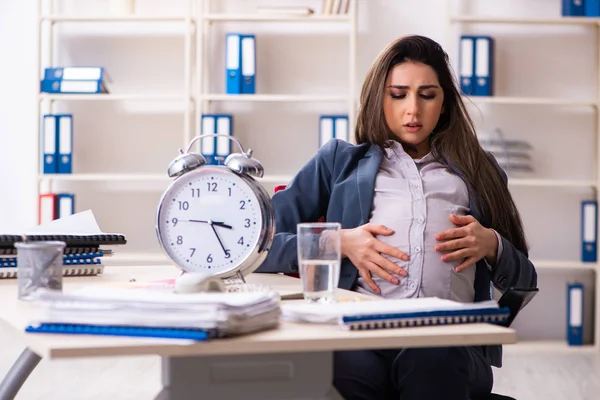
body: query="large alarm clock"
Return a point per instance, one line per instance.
(216, 219)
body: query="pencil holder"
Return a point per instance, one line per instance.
(39, 266)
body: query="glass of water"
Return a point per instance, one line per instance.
(319, 257)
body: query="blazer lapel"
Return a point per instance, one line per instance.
(367, 170)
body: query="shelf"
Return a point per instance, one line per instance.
(562, 265)
(276, 18)
(111, 97)
(105, 177)
(527, 21)
(546, 346)
(117, 177)
(109, 18)
(551, 183)
(543, 101)
(273, 97)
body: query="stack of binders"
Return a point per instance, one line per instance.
(580, 8)
(332, 127)
(216, 149)
(512, 155)
(57, 143)
(476, 65)
(74, 80)
(240, 64)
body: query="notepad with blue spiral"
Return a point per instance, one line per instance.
(397, 313)
(495, 315)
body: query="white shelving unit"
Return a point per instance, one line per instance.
(558, 184)
(207, 18)
(195, 97)
(533, 101)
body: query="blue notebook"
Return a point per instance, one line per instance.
(115, 330)
(495, 315)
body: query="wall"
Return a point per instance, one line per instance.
(301, 58)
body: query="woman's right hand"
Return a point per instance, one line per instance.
(365, 251)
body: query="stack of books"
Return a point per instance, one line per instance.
(105, 310)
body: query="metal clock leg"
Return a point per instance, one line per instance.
(18, 374)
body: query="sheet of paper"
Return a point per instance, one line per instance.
(82, 223)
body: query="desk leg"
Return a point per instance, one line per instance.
(18, 374)
(293, 376)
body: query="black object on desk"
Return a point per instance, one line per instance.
(516, 299)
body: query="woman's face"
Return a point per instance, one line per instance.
(412, 105)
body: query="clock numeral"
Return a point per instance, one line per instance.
(212, 186)
(195, 192)
(247, 224)
(229, 191)
(242, 205)
(174, 221)
(193, 251)
(241, 241)
(184, 205)
(179, 239)
(209, 259)
(227, 253)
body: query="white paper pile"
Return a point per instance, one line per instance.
(220, 314)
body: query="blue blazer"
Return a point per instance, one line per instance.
(338, 183)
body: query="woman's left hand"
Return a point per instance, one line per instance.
(469, 241)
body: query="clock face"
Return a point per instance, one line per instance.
(209, 220)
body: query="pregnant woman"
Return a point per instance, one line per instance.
(425, 211)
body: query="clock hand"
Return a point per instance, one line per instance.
(218, 238)
(221, 224)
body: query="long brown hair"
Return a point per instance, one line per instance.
(453, 140)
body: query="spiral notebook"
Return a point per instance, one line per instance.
(397, 313)
(71, 240)
(494, 315)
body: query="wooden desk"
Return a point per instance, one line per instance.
(295, 358)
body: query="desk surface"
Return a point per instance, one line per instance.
(289, 337)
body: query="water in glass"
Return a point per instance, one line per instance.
(319, 279)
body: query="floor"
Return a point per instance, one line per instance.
(549, 372)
